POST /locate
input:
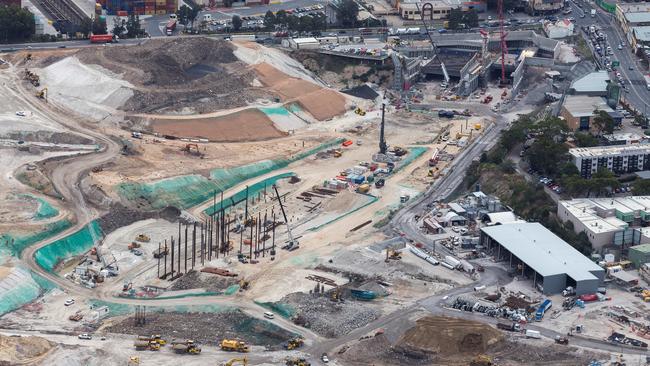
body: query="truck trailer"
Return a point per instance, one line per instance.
(102, 38)
(543, 308)
(510, 327)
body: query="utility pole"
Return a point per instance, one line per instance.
(382, 140)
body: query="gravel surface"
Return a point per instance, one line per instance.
(211, 282)
(328, 318)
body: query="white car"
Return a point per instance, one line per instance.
(269, 315)
(620, 46)
(21, 113)
(324, 358)
(455, 229)
(68, 302)
(85, 336)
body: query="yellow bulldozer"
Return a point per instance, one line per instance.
(294, 343)
(42, 94)
(234, 345)
(243, 361)
(143, 238)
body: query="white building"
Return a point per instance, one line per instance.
(560, 29)
(608, 221)
(619, 159)
(309, 43)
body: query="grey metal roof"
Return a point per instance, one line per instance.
(592, 82)
(637, 17)
(642, 33)
(542, 250)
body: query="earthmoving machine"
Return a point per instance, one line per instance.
(243, 284)
(234, 345)
(186, 347)
(192, 149)
(561, 340)
(143, 238)
(481, 360)
(133, 361)
(294, 343)
(244, 361)
(32, 78)
(293, 243)
(399, 151)
(360, 111)
(393, 254)
(156, 338)
(297, 361)
(133, 245)
(28, 57)
(42, 94)
(142, 345)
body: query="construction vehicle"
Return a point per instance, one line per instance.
(42, 94)
(511, 327)
(243, 284)
(337, 153)
(133, 361)
(192, 149)
(143, 345)
(244, 361)
(293, 243)
(158, 339)
(294, 343)
(477, 126)
(133, 245)
(28, 57)
(234, 345)
(143, 238)
(561, 340)
(296, 361)
(32, 78)
(364, 188)
(399, 151)
(360, 111)
(76, 316)
(393, 254)
(481, 360)
(188, 347)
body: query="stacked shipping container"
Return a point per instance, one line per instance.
(139, 7)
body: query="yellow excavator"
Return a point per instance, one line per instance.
(133, 361)
(42, 94)
(360, 111)
(244, 361)
(294, 343)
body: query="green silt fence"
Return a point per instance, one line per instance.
(74, 244)
(18, 243)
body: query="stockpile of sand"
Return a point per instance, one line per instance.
(23, 350)
(245, 125)
(321, 103)
(442, 336)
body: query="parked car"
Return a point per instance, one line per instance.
(85, 336)
(68, 302)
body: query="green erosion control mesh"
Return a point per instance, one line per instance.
(253, 189)
(414, 153)
(20, 287)
(44, 210)
(191, 190)
(116, 309)
(74, 244)
(17, 243)
(284, 310)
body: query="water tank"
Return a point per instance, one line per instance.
(609, 258)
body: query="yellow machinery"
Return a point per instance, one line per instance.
(158, 339)
(360, 111)
(645, 295)
(186, 347)
(143, 238)
(142, 345)
(393, 254)
(234, 345)
(244, 361)
(32, 77)
(243, 284)
(296, 361)
(364, 188)
(133, 361)
(337, 153)
(42, 94)
(481, 360)
(477, 126)
(294, 343)
(336, 294)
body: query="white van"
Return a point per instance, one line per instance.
(269, 315)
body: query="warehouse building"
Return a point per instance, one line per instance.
(579, 111)
(540, 255)
(619, 159)
(639, 255)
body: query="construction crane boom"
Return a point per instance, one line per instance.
(293, 244)
(502, 41)
(433, 44)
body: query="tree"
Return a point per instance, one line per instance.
(471, 19)
(455, 18)
(293, 23)
(603, 122)
(236, 22)
(269, 20)
(183, 14)
(84, 28)
(193, 13)
(133, 26)
(99, 26)
(347, 13)
(585, 139)
(641, 187)
(16, 24)
(306, 24)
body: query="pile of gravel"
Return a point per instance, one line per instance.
(328, 318)
(211, 282)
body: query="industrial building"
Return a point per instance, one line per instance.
(632, 15)
(579, 110)
(537, 253)
(620, 159)
(639, 255)
(609, 221)
(593, 84)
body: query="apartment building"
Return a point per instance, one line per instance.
(619, 159)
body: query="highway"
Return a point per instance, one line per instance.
(635, 91)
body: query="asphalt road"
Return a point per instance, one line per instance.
(636, 91)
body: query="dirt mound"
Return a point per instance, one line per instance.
(321, 103)
(188, 75)
(444, 336)
(15, 350)
(246, 125)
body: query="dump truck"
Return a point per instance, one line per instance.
(510, 327)
(234, 345)
(561, 340)
(294, 343)
(186, 348)
(143, 238)
(142, 345)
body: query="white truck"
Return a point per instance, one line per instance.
(647, 81)
(593, 13)
(533, 334)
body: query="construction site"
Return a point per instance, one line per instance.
(203, 201)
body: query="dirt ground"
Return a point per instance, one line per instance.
(23, 350)
(321, 103)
